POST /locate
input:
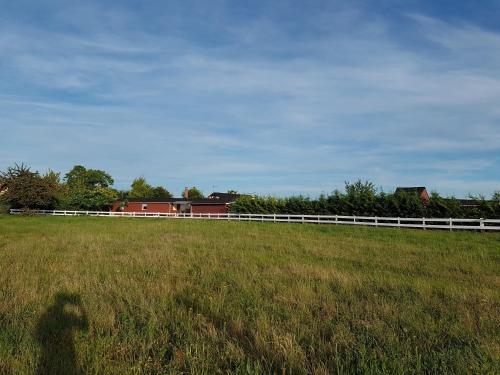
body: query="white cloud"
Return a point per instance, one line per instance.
(337, 104)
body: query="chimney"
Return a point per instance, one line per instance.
(185, 194)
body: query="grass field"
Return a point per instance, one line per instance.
(109, 295)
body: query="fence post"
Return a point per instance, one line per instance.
(399, 222)
(423, 223)
(336, 219)
(481, 224)
(376, 221)
(451, 224)
(302, 219)
(274, 217)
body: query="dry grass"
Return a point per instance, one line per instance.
(158, 296)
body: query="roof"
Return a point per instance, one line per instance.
(411, 189)
(209, 201)
(157, 200)
(217, 198)
(214, 198)
(217, 195)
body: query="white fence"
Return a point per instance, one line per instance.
(399, 222)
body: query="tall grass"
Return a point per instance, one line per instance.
(164, 296)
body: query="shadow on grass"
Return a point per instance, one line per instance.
(55, 331)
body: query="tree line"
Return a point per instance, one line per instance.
(79, 189)
(91, 189)
(363, 199)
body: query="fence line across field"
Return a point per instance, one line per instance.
(398, 222)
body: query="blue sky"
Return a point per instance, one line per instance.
(281, 97)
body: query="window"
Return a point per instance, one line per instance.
(144, 207)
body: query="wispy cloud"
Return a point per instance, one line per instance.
(257, 103)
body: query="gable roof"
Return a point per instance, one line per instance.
(217, 198)
(217, 195)
(157, 200)
(411, 189)
(214, 198)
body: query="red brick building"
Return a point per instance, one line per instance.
(215, 203)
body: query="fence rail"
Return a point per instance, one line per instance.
(399, 222)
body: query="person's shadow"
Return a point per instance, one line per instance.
(55, 331)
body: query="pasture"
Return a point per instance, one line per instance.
(156, 296)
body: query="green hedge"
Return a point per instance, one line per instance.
(362, 199)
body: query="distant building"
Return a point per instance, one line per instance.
(215, 203)
(421, 191)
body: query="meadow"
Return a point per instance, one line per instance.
(156, 296)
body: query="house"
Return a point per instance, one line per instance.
(215, 203)
(421, 191)
(175, 205)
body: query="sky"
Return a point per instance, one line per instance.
(266, 97)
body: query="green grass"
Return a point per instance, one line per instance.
(117, 296)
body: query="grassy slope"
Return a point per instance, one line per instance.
(196, 296)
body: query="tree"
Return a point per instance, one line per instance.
(99, 198)
(81, 177)
(160, 192)
(360, 198)
(495, 201)
(25, 189)
(141, 189)
(89, 189)
(195, 193)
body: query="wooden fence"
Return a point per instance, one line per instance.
(399, 222)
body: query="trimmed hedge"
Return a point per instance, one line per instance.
(362, 199)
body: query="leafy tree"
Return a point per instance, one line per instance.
(99, 198)
(88, 189)
(25, 189)
(81, 177)
(360, 198)
(160, 192)
(443, 207)
(404, 204)
(141, 189)
(195, 193)
(495, 202)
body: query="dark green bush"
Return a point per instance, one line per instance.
(363, 199)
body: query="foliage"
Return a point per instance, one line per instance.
(141, 189)
(88, 189)
(495, 199)
(195, 193)
(80, 177)
(25, 189)
(363, 199)
(98, 198)
(245, 298)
